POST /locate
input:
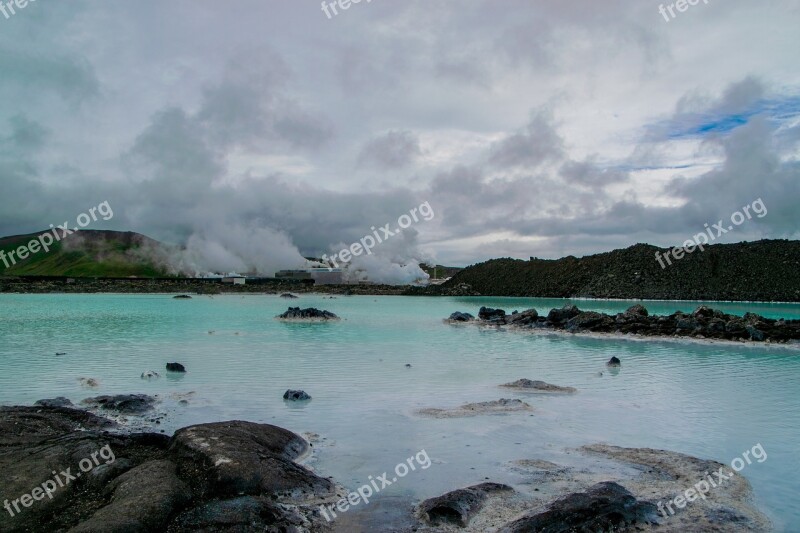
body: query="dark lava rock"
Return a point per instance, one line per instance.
(129, 404)
(614, 361)
(296, 395)
(536, 385)
(492, 315)
(289, 296)
(176, 367)
(59, 401)
(312, 313)
(591, 321)
(245, 513)
(459, 506)
(606, 506)
(525, 318)
(637, 310)
(754, 333)
(703, 312)
(141, 499)
(212, 477)
(556, 316)
(461, 317)
(229, 459)
(703, 322)
(182, 297)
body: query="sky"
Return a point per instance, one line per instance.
(257, 132)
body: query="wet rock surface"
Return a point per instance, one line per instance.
(311, 313)
(528, 385)
(703, 323)
(228, 476)
(127, 404)
(606, 506)
(458, 506)
(296, 395)
(500, 406)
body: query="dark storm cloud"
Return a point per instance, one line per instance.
(392, 150)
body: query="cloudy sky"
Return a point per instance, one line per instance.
(259, 131)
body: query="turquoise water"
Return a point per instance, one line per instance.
(709, 400)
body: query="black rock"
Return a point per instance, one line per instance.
(614, 361)
(461, 317)
(525, 318)
(562, 315)
(296, 395)
(590, 320)
(312, 313)
(182, 297)
(176, 367)
(59, 401)
(288, 296)
(131, 404)
(459, 506)
(606, 506)
(637, 310)
(492, 315)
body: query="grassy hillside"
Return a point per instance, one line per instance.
(89, 253)
(767, 270)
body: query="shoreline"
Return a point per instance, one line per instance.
(190, 286)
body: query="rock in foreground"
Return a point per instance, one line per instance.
(228, 476)
(458, 506)
(606, 506)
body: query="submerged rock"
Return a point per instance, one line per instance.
(474, 409)
(150, 374)
(175, 367)
(312, 313)
(459, 506)
(59, 401)
(603, 507)
(289, 296)
(182, 297)
(129, 404)
(296, 395)
(614, 361)
(537, 386)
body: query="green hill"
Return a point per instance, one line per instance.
(88, 253)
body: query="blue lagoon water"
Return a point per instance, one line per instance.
(709, 400)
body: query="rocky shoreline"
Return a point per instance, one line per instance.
(238, 476)
(703, 323)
